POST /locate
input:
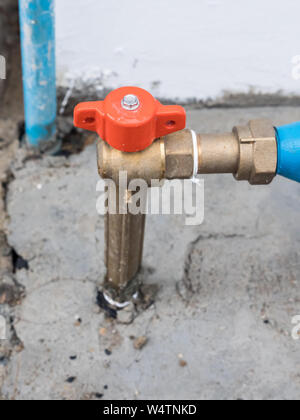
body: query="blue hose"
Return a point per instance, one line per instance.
(39, 75)
(288, 140)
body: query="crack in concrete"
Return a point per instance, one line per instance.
(11, 292)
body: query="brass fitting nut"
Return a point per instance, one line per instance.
(257, 152)
(179, 155)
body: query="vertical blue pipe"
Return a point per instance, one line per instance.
(39, 75)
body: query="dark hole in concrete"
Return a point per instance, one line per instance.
(21, 131)
(71, 143)
(103, 304)
(71, 379)
(19, 262)
(74, 141)
(4, 360)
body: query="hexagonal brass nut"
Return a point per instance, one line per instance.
(265, 152)
(258, 152)
(179, 155)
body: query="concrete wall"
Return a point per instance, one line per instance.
(180, 49)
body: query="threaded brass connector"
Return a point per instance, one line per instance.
(257, 152)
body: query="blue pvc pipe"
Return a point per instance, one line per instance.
(288, 140)
(39, 75)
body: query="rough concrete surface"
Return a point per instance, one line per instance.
(220, 327)
(10, 291)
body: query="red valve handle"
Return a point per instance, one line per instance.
(129, 119)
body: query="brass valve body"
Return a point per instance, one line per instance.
(249, 153)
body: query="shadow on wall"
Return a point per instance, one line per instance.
(70, 97)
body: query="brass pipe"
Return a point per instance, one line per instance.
(124, 237)
(218, 153)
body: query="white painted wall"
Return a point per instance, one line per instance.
(180, 48)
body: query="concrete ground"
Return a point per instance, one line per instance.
(220, 327)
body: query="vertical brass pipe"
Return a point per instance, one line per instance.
(124, 237)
